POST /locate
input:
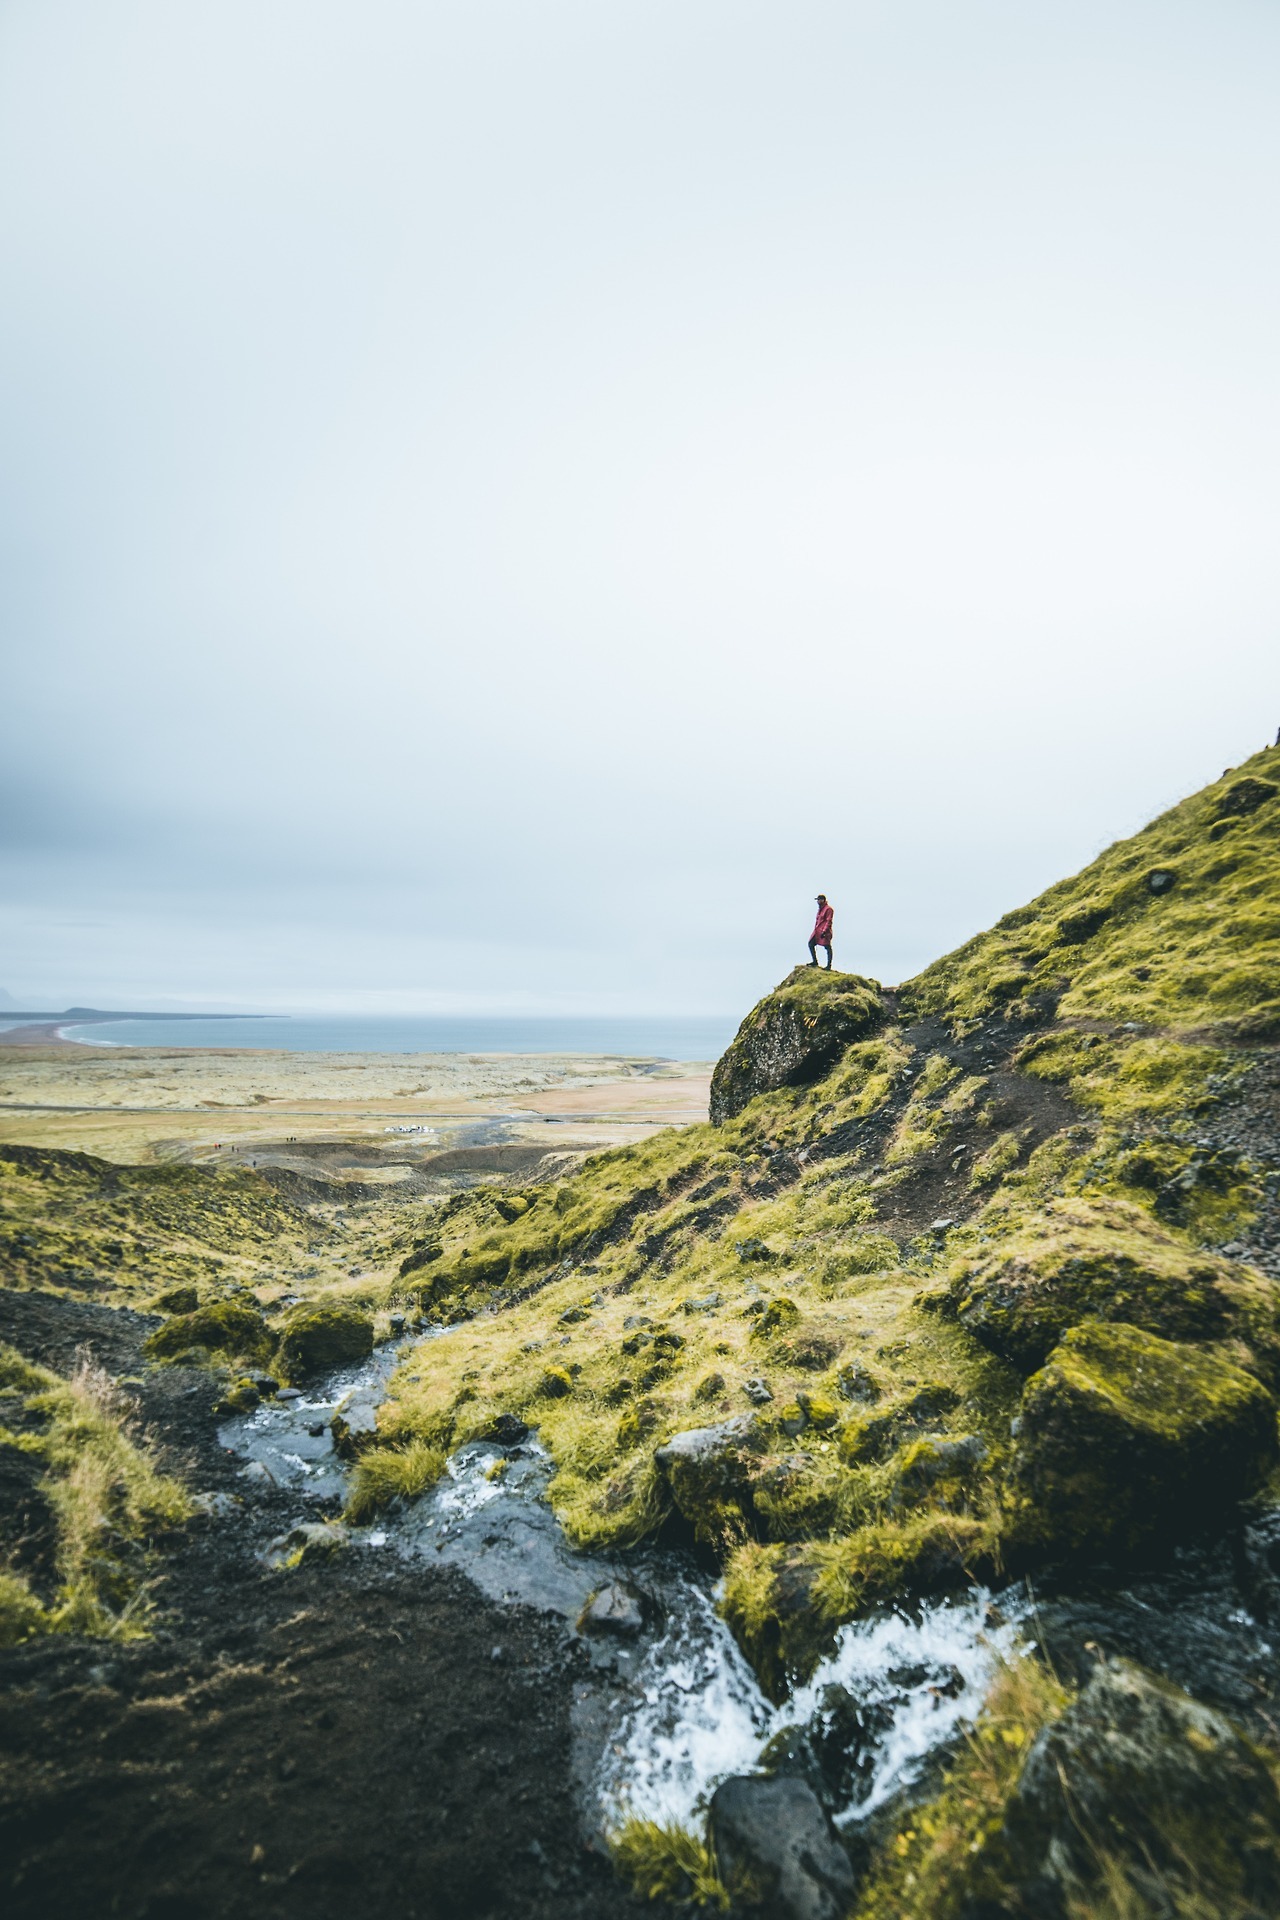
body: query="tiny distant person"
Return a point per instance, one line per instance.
(821, 935)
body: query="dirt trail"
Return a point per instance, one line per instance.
(347, 1738)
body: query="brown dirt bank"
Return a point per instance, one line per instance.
(349, 1738)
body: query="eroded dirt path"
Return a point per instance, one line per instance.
(347, 1738)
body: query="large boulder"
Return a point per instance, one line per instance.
(323, 1334)
(1138, 1784)
(226, 1327)
(794, 1035)
(1125, 1439)
(708, 1472)
(776, 1850)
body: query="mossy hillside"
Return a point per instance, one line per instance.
(607, 1378)
(107, 1495)
(323, 1334)
(73, 1223)
(617, 1307)
(1176, 928)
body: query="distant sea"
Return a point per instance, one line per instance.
(676, 1038)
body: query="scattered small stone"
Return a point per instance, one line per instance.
(752, 1249)
(315, 1428)
(288, 1394)
(612, 1609)
(307, 1538)
(854, 1382)
(505, 1430)
(941, 1226)
(215, 1506)
(496, 1654)
(757, 1391)
(396, 1323)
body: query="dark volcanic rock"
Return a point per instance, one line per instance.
(776, 1850)
(794, 1035)
(1139, 1777)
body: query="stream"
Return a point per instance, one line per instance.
(669, 1706)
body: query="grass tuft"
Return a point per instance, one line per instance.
(668, 1863)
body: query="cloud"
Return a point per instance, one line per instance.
(507, 500)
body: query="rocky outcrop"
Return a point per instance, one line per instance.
(1105, 1261)
(776, 1850)
(708, 1473)
(1124, 1439)
(226, 1327)
(1142, 1784)
(794, 1035)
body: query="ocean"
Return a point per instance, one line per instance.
(678, 1037)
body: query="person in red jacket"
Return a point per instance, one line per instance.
(821, 935)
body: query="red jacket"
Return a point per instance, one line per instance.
(821, 935)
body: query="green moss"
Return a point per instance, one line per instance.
(1106, 1259)
(227, 1326)
(1145, 1079)
(107, 1495)
(668, 1863)
(1125, 1439)
(1175, 928)
(384, 1474)
(1000, 1158)
(785, 1605)
(321, 1334)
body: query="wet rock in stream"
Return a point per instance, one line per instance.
(776, 1850)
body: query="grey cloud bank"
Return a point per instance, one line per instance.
(501, 504)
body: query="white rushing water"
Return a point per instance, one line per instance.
(892, 1692)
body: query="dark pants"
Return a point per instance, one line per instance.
(813, 957)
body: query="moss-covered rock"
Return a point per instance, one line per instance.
(1139, 1787)
(944, 1472)
(242, 1396)
(322, 1334)
(1105, 1260)
(1125, 1439)
(871, 1437)
(708, 1472)
(227, 1326)
(793, 1035)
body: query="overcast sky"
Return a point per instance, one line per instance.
(502, 501)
